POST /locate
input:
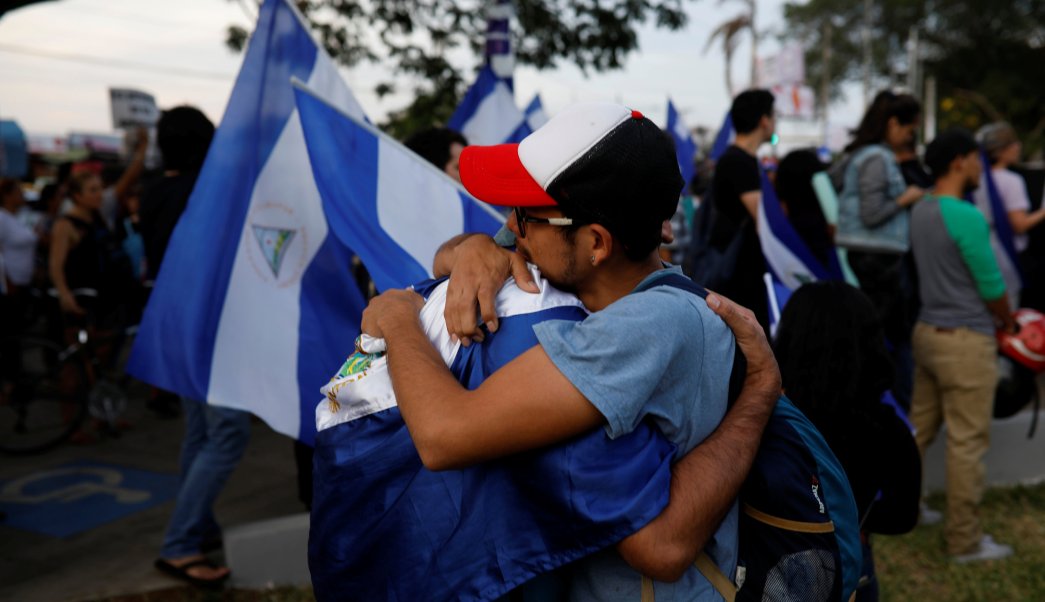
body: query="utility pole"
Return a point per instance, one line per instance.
(825, 80)
(866, 35)
(754, 46)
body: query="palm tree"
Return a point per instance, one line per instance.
(729, 32)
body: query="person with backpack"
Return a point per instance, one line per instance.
(873, 223)
(736, 191)
(835, 367)
(590, 191)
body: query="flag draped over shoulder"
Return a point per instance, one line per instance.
(383, 200)
(386, 528)
(788, 258)
(1002, 225)
(255, 297)
(685, 147)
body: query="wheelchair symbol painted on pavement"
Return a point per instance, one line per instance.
(88, 481)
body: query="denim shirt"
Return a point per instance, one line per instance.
(892, 234)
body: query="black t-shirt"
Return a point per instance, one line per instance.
(737, 173)
(162, 204)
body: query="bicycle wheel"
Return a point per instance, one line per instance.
(44, 395)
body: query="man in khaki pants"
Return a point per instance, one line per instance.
(963, 302)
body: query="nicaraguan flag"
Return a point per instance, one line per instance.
(685, 147)
(535, 115)
(386, 528)
(488, 113)
(383, 200)
(255, 297)
(787, 256)
(723, 138)
(1005, 237)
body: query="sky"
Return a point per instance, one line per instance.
(176, 51)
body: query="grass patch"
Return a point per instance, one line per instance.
(916, 566)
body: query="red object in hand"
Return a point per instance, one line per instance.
(1027, 346)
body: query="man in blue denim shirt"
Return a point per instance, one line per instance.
(591, 190)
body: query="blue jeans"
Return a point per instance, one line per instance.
(214, 442)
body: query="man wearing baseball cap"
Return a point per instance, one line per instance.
(590, 191)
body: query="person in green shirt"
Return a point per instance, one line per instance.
(963, 303)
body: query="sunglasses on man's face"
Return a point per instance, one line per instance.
(521, 218)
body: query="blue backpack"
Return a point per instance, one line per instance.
(799, 529)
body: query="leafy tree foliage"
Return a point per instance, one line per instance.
(986, 55)
(415, 36)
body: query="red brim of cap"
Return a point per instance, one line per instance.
(495, 175)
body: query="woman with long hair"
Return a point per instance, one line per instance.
(835, 368)
(873, 222)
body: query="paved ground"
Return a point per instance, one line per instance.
(116, 558)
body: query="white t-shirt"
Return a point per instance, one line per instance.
(18, 246)
(1013, 192)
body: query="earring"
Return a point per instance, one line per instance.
(593, 260)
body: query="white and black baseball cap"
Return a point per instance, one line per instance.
(598, 162)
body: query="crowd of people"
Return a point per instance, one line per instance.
(878, 364)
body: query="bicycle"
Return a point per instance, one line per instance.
(49, 388)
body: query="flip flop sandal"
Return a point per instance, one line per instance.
(182, 572)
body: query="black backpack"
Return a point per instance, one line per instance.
(708, 261)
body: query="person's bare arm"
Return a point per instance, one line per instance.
(526, 404)
(1022, 221)
(999, 309)
(751, 201)
(478, 267)
(705, 481)
(130, 176)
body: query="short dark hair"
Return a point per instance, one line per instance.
(434, 144)
(183, 135)
(886, 105)
(749, 108)
(948, 146)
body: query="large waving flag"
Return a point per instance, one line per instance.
(488, 113)
(787, 256)
(255, 297)
(380, 198)
(386, 528)
(685, 147)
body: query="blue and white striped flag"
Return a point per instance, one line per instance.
(723, 138)
(255, 297)
(386, 528)
(787, 256)
(685, 146)
(535, 115)
(382, 199)
(488, 114)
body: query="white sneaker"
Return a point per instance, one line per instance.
(930, 516)
(988, 550)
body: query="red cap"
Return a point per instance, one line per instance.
(495, 175)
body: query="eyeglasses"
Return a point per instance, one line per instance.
(522, 219)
